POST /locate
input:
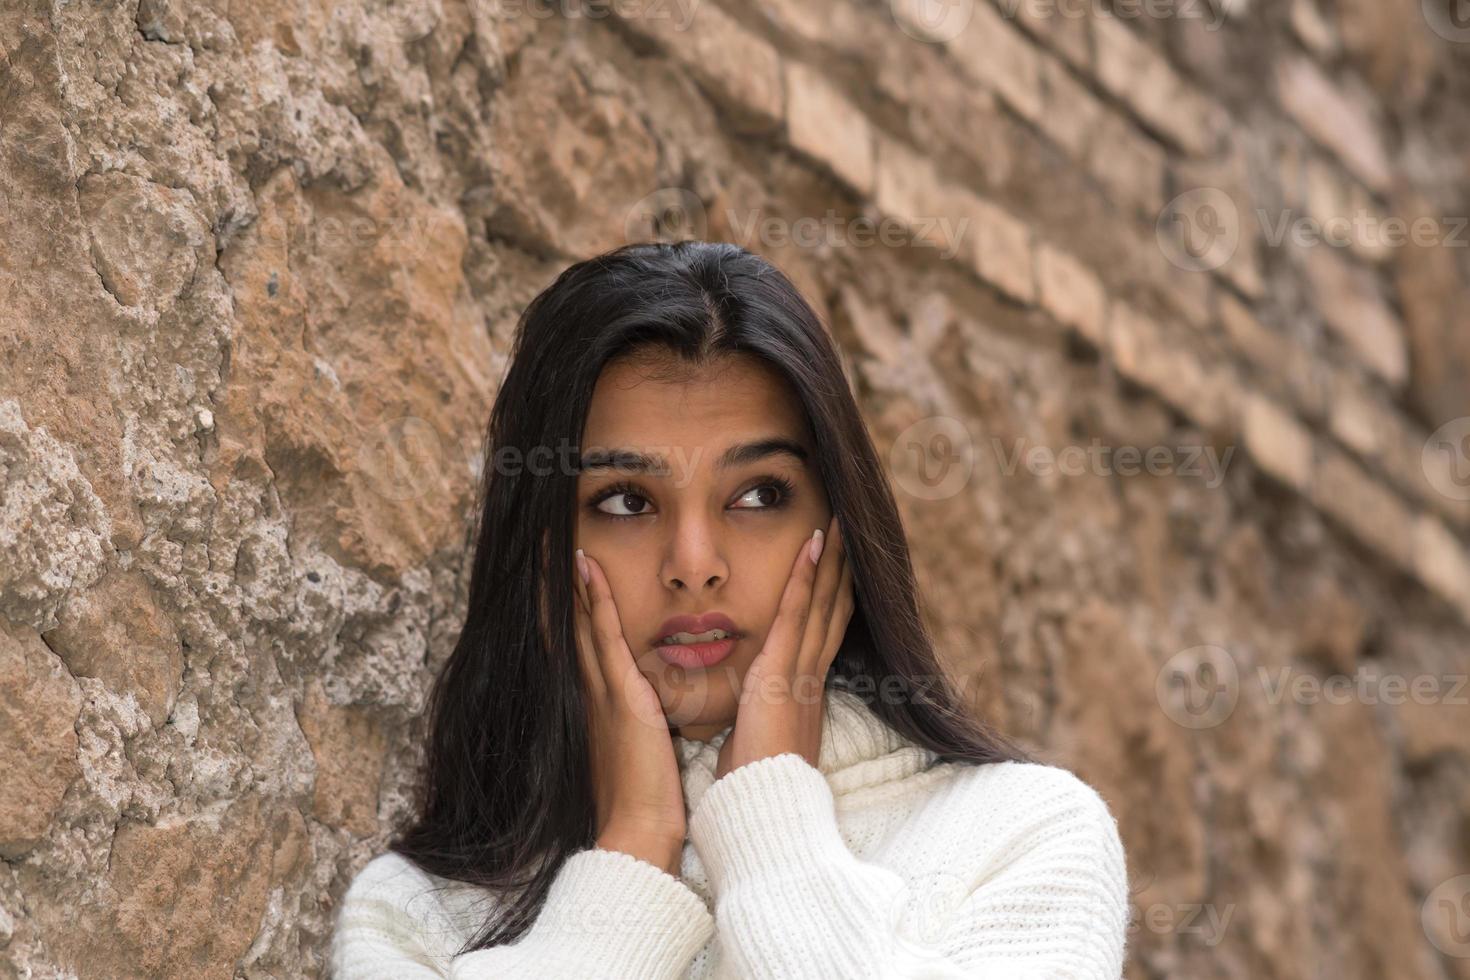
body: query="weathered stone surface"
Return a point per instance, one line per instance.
(147, 239)
(117, 633)
(332, 293)
(259, 263)
(1339, 120)
(1112, 727)
(1386, 39)
(1142, 78)
(570, 161)
(1278, 442)
(1072, 112)
(1353, 306)
(1430, 277)
(998, 246)
(1374, 513)
(993, 52)
(348, 745)
(1071, 293)
(824, 124)
(189, 894)
(39, 704)
(1130, 166)
(55, 530)
(740, 70)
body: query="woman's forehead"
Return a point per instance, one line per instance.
(707, 409)
(680, 462)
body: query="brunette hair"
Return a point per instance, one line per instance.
(505, 790)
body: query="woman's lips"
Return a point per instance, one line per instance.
(696, 624)
(694, 656)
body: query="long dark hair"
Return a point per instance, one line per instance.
(505, 793)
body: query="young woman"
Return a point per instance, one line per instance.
(694, 725)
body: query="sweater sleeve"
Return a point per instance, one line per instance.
(607, 915)
(1044, 898)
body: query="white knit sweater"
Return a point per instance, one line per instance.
(878, 863)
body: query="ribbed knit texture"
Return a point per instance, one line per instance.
(877, 863)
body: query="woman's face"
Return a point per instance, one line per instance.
(695, 534)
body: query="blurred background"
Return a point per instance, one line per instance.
(1157, 310)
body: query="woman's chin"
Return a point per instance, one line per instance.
(697, 703)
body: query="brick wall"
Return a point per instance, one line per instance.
(1157, 309)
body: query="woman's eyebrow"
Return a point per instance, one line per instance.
(633, 461)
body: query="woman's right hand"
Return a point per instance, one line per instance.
(635, 777)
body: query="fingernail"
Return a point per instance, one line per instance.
(582, 566)
(816, 545)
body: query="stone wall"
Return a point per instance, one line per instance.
(1185, 479)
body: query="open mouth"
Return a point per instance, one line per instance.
(686, 639)
(696, 650)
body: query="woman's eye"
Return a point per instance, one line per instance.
(623, 499)
(766, 495)
(623, 502)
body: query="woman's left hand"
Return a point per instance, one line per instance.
(781, 696)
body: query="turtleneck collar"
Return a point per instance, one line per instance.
(857, 750)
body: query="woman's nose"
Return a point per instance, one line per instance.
(695, 559)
